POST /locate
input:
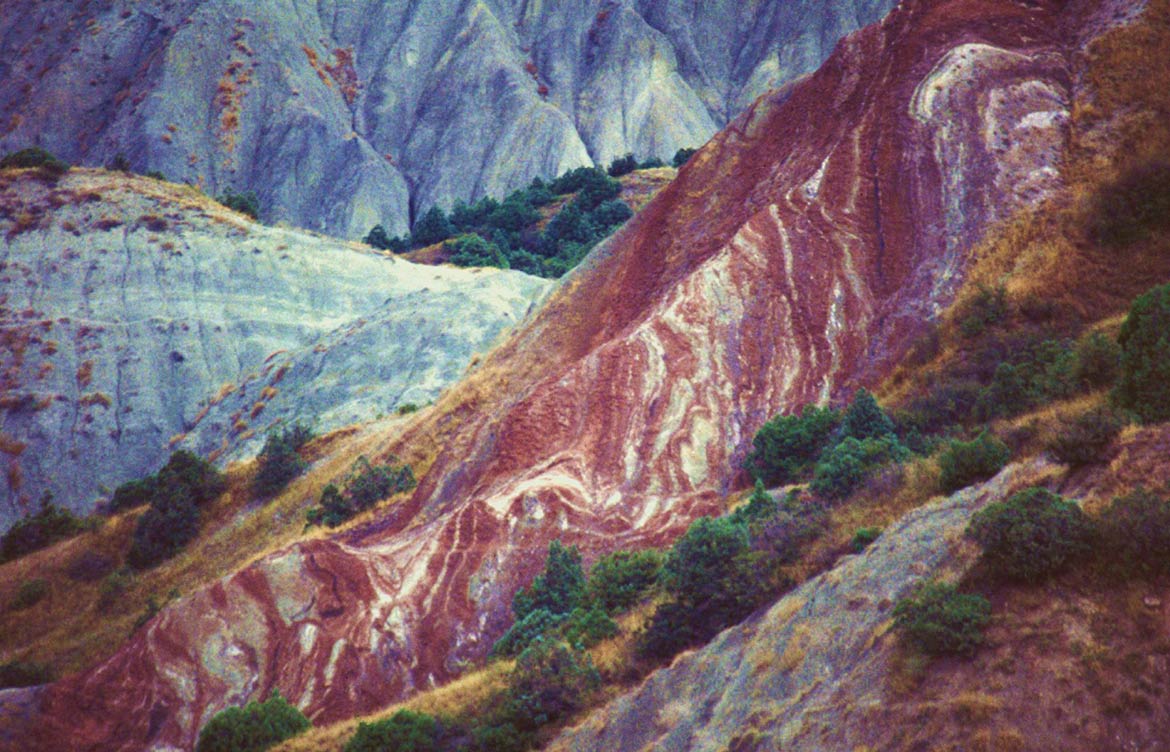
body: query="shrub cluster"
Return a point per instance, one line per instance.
(366, 485)
(682, 156)
(245, 203)
(280, 461)
(1031, 535)
(252, 728)
(38, 531)
(1085, 438)
(965, 462)
(1144, 386)
(787, 446)
(504, 234)
(405, 731)
(1136, 532)
(34, 157)
(939, 620)
(175, 494)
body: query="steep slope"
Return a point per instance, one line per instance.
(343, 115)
(139, 317)
(791, 260)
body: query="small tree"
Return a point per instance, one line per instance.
(378, 238)
(245, 203)
(551, 680)
(682, 156)
(619, 580)
(622, 166)
(1031, 535)
(760, 506)
(1145, 357)
(787, 445)
(434, 227)
(864, 419)
(252, 728)
(939, 620)
(842, 469)
(559, 589)
(279, 460)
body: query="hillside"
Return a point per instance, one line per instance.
(140, 317)
(346, 115)
(794, 258)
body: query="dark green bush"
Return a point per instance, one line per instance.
(588, 626)
(24, 674)
(622, 166)
(473, 250)
(1031, 535)
(842, 469)
(433, 227)
(38, 531)
(405, 731)
(619, 580)
(1133, 207)
(366, 485)
(559, 589)
(576, 179)
(864, 537)
(184, 484)
(29, 594)
(1144, 387)
(245, 203)
(760, 506)
(34, 157)
(864, 419)
(520, 635)
(135, 493)
(1085, 439)
(610, 215)
(787, 445)
(252, 728)
(939, 620)
(378, 238)
(682, 156)
(965, 462)
(279, 461)
(1136, 532)
(551, 681)
(709, 575)
(1098, 361)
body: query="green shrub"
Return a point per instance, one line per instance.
(1098, 361)
(610, 215)
(405, 731)
(135, 493)
(1133, 207)
(622, 166)
(1144, 387)
(842, 469)
(1136, 530)
(760, 506)
(1084, 439)
(559, 589)
(38, 531)
(551, 681)
(473, 250)
(965, 462)
(378, 238)
(280, 461)
(34, 157)
(514, 214)
(252, 728)
(365, 486)
(712, 582)
(787, 445)
(863, 538)
(184, 484)
(433, 227)
(939, 620)
(588, 626)
(502, 737)
(245, 203)
(864, 419)
(24, 674)
(1031, 535)
(29, 594)
(619, 580)
(682, 156)
(406, 408)
(520, 635)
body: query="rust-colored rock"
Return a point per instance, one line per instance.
(793, 259)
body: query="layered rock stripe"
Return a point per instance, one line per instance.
(792, 259)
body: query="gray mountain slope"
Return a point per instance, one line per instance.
(341, 115)
(139, 317)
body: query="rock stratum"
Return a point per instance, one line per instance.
(341, 115)
(140, 317)
(793, 259)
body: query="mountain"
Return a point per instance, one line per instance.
(141, 317)
(343, 115)
(794, 258)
